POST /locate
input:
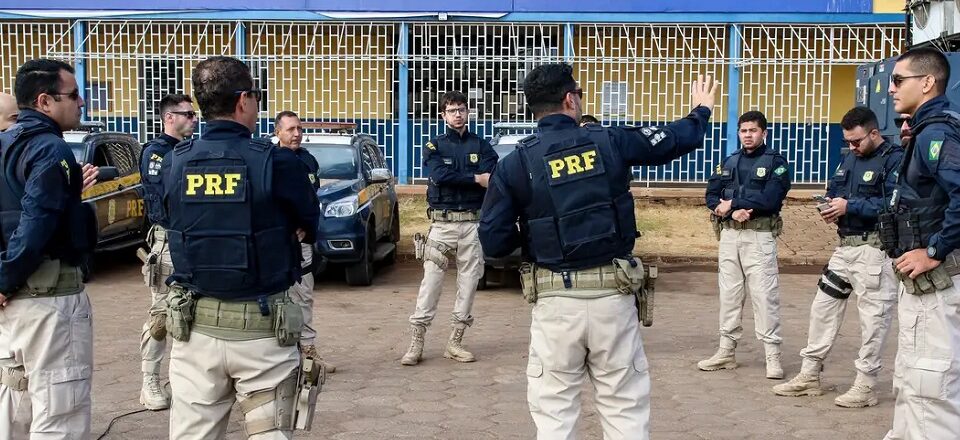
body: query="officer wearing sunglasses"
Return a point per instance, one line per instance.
(179, 122)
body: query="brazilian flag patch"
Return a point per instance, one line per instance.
(780, 170)
(934, 150)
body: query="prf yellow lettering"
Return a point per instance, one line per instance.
(194, 181)
(573, 164)
(213, 184)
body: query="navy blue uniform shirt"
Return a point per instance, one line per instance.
(509, 185)
(51, 207)
(868, 207)
(452, 168)
(151, 162)
(311, 165)
(291, 189)
(764, 202)
(937, 152)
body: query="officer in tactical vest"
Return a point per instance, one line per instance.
(923, 233)
(569, 187)
(289, 133)
(179, 121)
(45, 316)
(745, 195)
(236, 208)
(8, 111)
(857, 196)
(459, 163)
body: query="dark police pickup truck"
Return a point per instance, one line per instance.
(361, 219)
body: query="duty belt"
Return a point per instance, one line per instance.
(235, 316)
(603, 279)
(69, 281)
(445, 215)
(938, 278)
(763, 224)
(867, 238)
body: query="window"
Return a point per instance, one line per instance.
(614, 99)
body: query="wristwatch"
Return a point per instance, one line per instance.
(931, 252)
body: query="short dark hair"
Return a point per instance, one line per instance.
(929, 61)
(859, 117)
(281, 115)
(546, 87)
(753, 116)
(452, 97)
(216, 81)
(172, 100)
(589, 119)
(38, 76)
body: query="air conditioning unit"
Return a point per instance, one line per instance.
(934, 19)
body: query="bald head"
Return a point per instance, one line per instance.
(8, 111)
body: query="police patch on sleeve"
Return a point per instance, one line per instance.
(719, 169)
(933, 153)
(573, 164)
(153, 167)
(215, 184)
(66, 168)
(430, 146)
(780, 170)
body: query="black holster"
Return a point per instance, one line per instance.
(889, 239)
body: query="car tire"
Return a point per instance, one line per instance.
(361, 274)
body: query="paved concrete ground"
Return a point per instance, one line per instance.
(364, 331)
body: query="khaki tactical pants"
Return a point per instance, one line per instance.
(463, 239)
(52, 338)
(208, 374)
(870, 272)
(152, 350)
(748, 263)
(927, 376)
(15, 409)
(572, 339)
(302, 295)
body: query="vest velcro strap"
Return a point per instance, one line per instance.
(443, 215)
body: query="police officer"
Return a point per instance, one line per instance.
(179, 121)
(569, 186)
(289, 132)
(8, 111)
(45, 316)
(923, 238)
(856, 196)
(745, 195)
(459, 163)
(236, 208)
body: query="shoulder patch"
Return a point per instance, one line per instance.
(719, 169)
(430, 146)
(933, 153)
(66, 167)
(780, 170)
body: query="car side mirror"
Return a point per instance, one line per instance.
(380, 175)
(107, 174)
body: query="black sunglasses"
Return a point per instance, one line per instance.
(577, 91)
(74, 95)
(898, 79)
(899, 121)
(256, 93)
(189, 114)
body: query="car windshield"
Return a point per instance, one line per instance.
(338, 162)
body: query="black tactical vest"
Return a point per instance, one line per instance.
(228, 239)
(737, 186)
(580, 213)
(151, 182)
(867, 182)
(463, 158)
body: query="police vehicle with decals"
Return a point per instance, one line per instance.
(115, 198)
(360, 224)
